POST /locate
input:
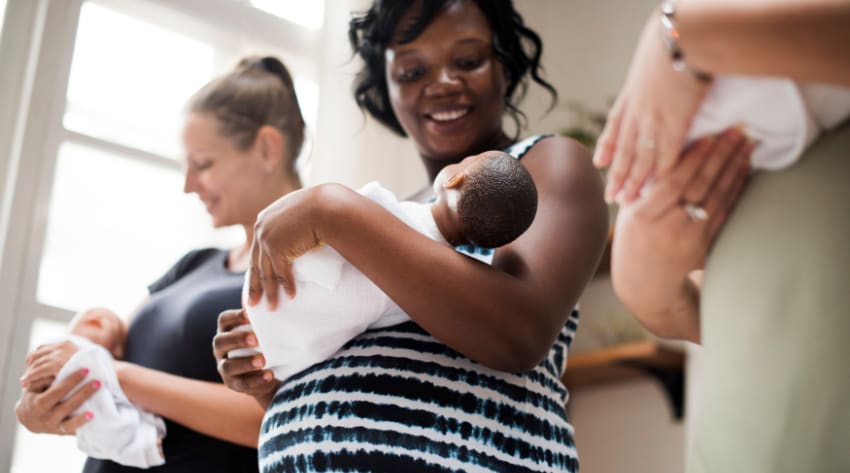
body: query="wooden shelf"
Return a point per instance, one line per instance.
(630, 361)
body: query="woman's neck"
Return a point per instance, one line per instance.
(433, 164)
(240, 257)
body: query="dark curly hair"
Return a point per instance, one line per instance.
(517, 47)
(498, 201)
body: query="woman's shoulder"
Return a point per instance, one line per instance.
(560, 162)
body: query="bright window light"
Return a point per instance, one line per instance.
(115, 225)
(2, 14)
(307, 13)
(130, 80)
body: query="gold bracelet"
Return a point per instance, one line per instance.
(670, 35)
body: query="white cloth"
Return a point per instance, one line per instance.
(119, 431)
(784, 116)
(334, 301)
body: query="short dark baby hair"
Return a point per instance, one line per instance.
(498, 201)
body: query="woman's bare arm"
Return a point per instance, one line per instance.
(209, 408)
(804, 40)
(505, 316)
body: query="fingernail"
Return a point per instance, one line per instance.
(251, 340)
(733, 135)
(267, 376)
(85, 371)
(257, 362)
(23, 383)
(89, 415)
(95, 384)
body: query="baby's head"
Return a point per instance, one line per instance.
(488, 199)
(102, 327)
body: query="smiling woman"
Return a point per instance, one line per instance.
(242, 134)
(472, 383)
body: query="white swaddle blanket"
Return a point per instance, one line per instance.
(119, 431)
(783, 116)
(334, 301)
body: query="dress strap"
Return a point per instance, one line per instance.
(518, 150)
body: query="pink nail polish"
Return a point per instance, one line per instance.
(95, 384)
(85, 371)
(89, 415)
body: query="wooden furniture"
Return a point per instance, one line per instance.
(630, 361)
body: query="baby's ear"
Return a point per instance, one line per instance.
(455, 181)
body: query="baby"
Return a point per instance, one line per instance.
(783, 116)
(481, 203)
(118, 430)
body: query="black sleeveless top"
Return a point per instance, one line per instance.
(173, 333)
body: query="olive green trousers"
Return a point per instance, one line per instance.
(776, 324)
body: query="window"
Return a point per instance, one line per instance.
(2, 14)
(130, 78)
(307, 14)
(136, 223)
(112, 213)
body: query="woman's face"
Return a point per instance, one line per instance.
(446, 86)
(228, 181)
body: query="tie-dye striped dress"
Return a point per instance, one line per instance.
(398, 400)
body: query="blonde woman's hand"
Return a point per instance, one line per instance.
(647, 126)
(50, 411)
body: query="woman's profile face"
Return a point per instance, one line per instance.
(228, 181)
(446, 86)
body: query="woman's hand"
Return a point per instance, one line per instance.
(245, 374)
(648, 124)
(284, 231)
(43, 364)
(46, 412)
(658, 242)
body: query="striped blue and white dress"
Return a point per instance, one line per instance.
(398, 400)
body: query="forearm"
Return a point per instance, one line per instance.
(505, 318)
(671, 312)
(431, 282)
(209, 408)
(803, 40)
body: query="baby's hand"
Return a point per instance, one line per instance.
(43, 364)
